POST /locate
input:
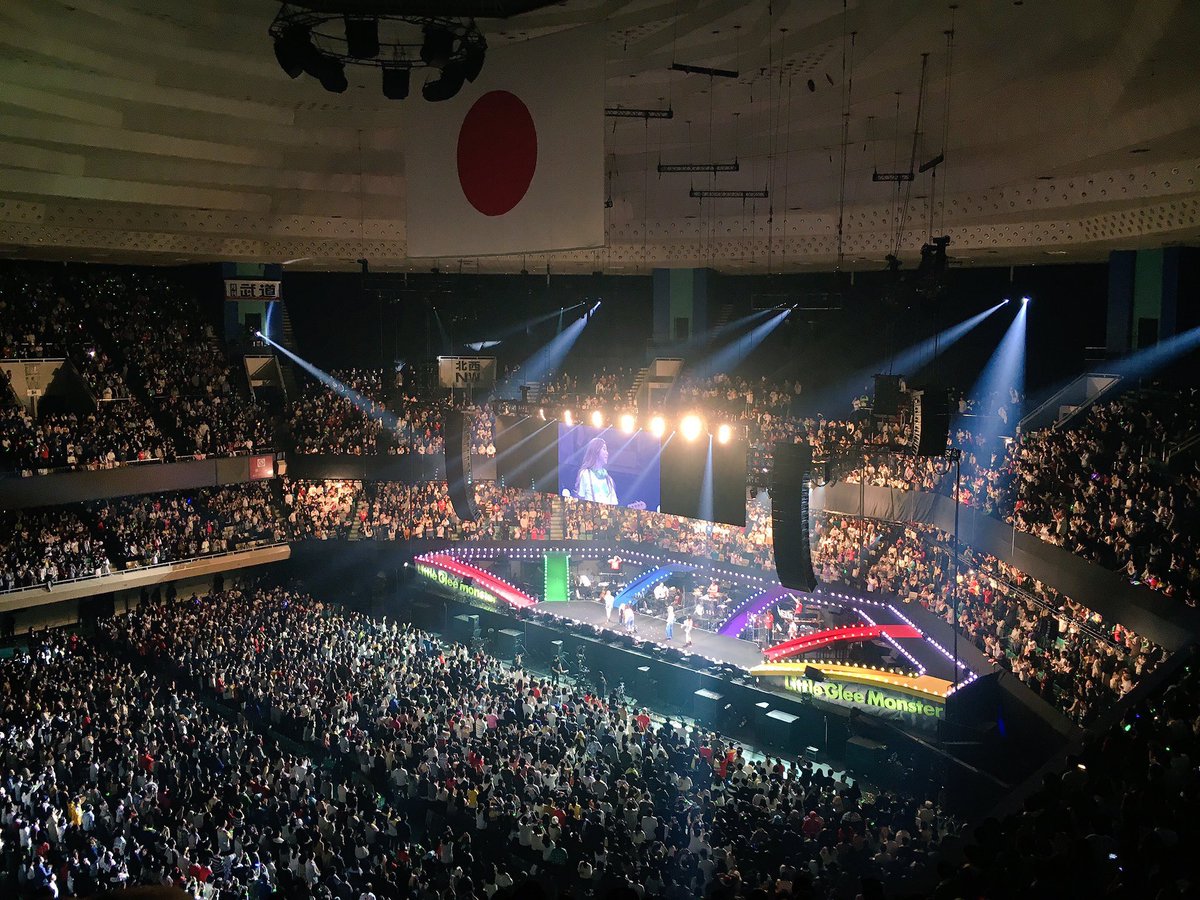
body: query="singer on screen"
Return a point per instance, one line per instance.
(594, 483)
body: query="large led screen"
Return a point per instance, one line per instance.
(604, 465)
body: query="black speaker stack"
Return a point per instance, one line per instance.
(791, 472)
(457, 436)
(931, 422)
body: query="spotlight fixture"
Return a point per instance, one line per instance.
(628, 423)
(691, 426)
(395, 82)
(658, 426)
(568, 419)
(437, 46)
(1024, 300)
(333, 76)
(293, 49)
(724, 433)
(362, 37)
(447, 86)
(322, 41)
(597, 419)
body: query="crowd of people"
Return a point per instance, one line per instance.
(320, 510)
(349, 420)
(176, 357)
(469, 778)
(1062, 651)
(42, 546)
(149, 529)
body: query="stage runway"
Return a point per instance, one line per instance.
(742, 654)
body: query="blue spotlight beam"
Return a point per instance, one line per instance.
(543, 364)
(729, 357)
(907, 362)
(365, 405)
(1004, 370)
(1146, 361)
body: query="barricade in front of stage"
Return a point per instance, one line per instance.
(736, 706)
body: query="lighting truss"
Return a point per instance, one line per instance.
(713, 194)
(621, 112)
(892, 176)
(399, 46)
(704, 70)
(699, 167)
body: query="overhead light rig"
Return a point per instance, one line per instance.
(712, 168)
(713, 194)
(621, 112)
(323, 42)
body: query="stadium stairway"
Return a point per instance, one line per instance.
(356, 519)
(632, 396)
(288, 339)
(720, 322)
(558, 519)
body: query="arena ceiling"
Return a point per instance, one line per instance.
(164, 131)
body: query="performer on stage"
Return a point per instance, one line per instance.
(627, 613)
(670, 623)
(593, 482)
(607, 596)
(687, 631)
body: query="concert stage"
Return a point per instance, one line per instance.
(874, 654)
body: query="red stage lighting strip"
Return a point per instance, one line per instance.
(496, 586)
(820, 639)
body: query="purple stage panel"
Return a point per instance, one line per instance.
(734, 626)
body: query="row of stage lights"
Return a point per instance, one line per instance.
(691, 426)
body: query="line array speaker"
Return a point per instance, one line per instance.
(791, 473)
(931, 422)
(458, 465)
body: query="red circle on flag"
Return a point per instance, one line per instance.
(497, 152)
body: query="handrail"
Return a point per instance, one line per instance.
(120, 464)
(150, 568)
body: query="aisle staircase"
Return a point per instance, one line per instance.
(558, 519)
(356, 520)
(635, 390)
(718, 325)
(291, 384)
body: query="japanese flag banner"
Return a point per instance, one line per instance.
(514, 163)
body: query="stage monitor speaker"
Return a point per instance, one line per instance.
(887, 395)
(812, 673)
(865, 756)
(457, 436)
(790, 476)
(931, 422)
(504, 643)
(464, 629)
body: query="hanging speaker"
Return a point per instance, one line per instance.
(931, 422)
(791, 473)
(457, 435)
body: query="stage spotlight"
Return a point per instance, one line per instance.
(597, 419)
(1024, 300)
(628, 423)
(445, 87)
(724, 434)
(332, 75)
(658, 426)
(1005, 303)
(362, 37)
(437, 47)
(691, 426)
(395, 82)
(473, 61)
(568, 419)
(294, 51)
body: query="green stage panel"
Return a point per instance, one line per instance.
(558, 577)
